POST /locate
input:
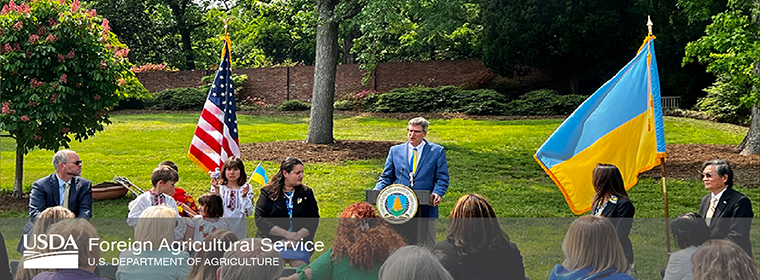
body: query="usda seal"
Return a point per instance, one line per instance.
(397, 204)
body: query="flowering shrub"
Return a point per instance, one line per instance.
(149, 67)
(252, 103)
(61, 68)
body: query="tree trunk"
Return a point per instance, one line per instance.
(187, 47)
(751, 143)
(18, 182)
(322, 96)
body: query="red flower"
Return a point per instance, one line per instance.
(16, 46)
(51, 38)
(65, 130)
(18, 25)
(70, 54)
(52, 22)
(54, 85)
(33, 38)
(32, 103)
(23, 8)
(6, 108)
(96, 97)
(5, 10)
(75, 5)
(25, 118)
(35, 84)
(1, 32)
(63, 79)
(41, 30)
(105, 26)
(122, 82)
(36, 138)
(92, 13)
(61, 58)
(53, 98)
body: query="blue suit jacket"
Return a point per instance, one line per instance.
(45, 193)
(432, 172)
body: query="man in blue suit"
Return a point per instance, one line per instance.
(420, 159)
(62, 188)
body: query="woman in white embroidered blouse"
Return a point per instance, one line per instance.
(236, 194)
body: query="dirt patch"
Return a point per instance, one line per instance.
(341, 150)
(7, 202)
(685, 162)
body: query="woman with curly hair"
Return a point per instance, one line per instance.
(475, 246)
(362, 243)
(723, 259)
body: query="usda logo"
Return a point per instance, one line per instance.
(397, 204)
(62, 253)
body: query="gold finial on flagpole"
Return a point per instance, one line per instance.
(226, 23)
(649, 24)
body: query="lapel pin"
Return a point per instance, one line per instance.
(299, 201)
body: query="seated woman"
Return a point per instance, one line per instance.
(46, 219)
(206, 269)
(689, 231)
(413, 262)
(362, 243)
(592, 251)
(723, 259)
(81, 231)
(155, 224)
(475, 246)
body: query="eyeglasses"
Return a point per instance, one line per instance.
(708, 175)
(414, 131)
(78, 162)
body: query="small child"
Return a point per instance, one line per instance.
(236, 194)
(210, 219)
(186, 203)
(163, 179)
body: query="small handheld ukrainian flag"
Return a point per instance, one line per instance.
(620, 124)
(260, 175)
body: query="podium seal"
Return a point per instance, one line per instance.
(397, 204)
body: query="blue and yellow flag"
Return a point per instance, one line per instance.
(620, 124)
(260, 175)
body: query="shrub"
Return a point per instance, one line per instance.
(148, 67)
(545, 102)
(177, 99)
(345, 105)
(441, 99)
(252, 103)
(723, 103)
(295, 105)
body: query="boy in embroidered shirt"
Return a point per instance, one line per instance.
(163, 179)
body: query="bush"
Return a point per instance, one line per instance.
(723, 103)
(295, 105)
(345, 105)
(441, 99)
(134, 93)
(545, 102)
(177, 99)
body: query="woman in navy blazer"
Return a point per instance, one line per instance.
(287, 210)
(611, 201)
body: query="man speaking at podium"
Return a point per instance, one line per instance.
(420, 162)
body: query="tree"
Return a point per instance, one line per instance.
(731, 50)
(61, 68)
(323, 93)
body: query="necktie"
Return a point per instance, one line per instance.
(413, 162)
(66, 195)
(711, 211)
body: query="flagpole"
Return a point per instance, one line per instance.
(662, 159)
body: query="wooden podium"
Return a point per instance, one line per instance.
(418, 230)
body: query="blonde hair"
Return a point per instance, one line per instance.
(413, 262)
(200, 270)
(44, 220)
(254, 271)
(81, 231)
(592, 241)
(722, 259)
(154, 226)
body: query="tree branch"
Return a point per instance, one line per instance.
(355, 10)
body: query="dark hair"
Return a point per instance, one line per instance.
(163, 173)
(170, 163)
(473, 226)
(213, 203)
(203, 271)
(275, 186)
(689, 229)
(607, 180)
(234, 163)
(723, 168)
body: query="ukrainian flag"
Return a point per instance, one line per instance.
(260, 175)
(620, 124)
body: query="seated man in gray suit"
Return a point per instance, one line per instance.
(62, 188)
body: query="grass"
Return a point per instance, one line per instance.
(492, 158)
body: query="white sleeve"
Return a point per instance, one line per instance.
(248, 202)
(136, 207)
(179, 230)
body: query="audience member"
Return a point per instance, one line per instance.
(728, 213)
(81, 231)
(413, 262)
(202, 270)
(44, 220)
(155, 224)
(725, 260)
(287, 209)
(362, 243)
(611, 201)
(260, 269)
(186, 203)
(689, 231)
(163, 179)
(475, 246)
(209, 220)
(237, 195)
(592, 251)
(5, 268)
(62, 188)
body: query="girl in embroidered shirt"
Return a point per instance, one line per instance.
(210, 218)
(236, 195)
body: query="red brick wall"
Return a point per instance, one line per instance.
(278, 84)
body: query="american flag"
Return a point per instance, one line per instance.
(216, 137)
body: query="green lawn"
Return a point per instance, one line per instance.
(492, 158)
